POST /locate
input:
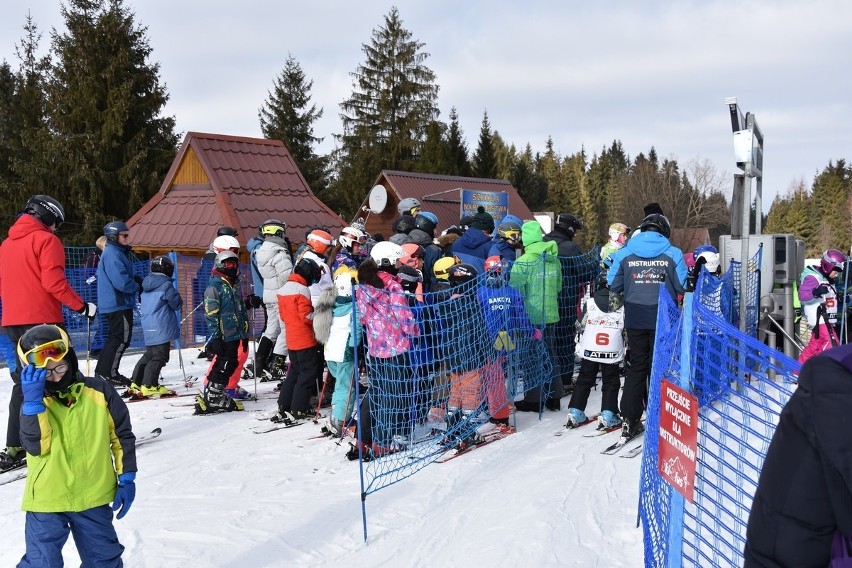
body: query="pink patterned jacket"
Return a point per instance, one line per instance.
(388, 321)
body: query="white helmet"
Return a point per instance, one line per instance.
(351, 235)
(386, 253)
(618, 234)
(343, 282)
(710, 254)
(225, 242)
(406, 205)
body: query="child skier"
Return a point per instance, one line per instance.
(297, 313)
(819, 302)
(81, 454)
(227, 323)
(160, 302)
(601, 348)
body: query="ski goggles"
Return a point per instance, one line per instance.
(53, 351)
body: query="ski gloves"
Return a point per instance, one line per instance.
(125, 493)
(820, 291)
(89, 310)
(32, 385)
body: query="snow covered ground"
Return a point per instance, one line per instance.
(212, 493)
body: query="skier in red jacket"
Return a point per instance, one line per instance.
(33, 288)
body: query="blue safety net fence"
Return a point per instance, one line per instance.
(479, 347)
(741, 386)
(191, 277)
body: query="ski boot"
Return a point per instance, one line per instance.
(215, 400)
(576, 417)
(608, 419)
(11, 458)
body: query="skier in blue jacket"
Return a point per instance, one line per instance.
(646, 262)
(160, 302)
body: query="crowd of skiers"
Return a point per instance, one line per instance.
(307, 298)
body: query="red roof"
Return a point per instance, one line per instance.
(438, 194)
(218, 180)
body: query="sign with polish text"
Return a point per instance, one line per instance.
(678, 443)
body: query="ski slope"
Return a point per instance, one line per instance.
(210, 492)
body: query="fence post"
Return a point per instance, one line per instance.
(676, 500)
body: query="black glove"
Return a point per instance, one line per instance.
(89, 310)
(253, 301)
(215, 346)
(820, 291)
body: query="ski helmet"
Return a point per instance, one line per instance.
(309, 270)
(412, 252)
(569, 223)
(320, 241)
(46, 209)
(114, 229)
(229, 231)
(163, 265)
(227, 263)
(509, 231)
(494, 264)
(44, 343)
(831, 260)
(657, 223)
(343, 281)
(386, 254)
(408, 205)
(442, 266)
(273, 228)
(463, 273)
(226, 242)
(409, 278)
(350, 236)
(618, 234)
(426, 221)
(403, 224)
(710, 254)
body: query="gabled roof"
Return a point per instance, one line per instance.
(438, 194)
(218, 180)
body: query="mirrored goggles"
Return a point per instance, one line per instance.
(53, 351)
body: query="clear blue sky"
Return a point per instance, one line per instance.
(646, 73)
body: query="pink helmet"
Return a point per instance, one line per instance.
(832, 259)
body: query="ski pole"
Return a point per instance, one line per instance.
(201, 303)
(88, 344)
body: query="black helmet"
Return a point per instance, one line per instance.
(47, 342)
(229, 231)
(403, 224)
(46, 209)
(569, 223)
(409, 277)
(459, 274)
(657, 223)
(113, 229)
(163, 265)
(309, 270)
(272, 228)
(426, 221)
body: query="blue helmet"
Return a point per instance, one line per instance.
(113, 229)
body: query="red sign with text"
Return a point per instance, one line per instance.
(678, 444)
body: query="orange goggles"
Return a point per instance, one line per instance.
(53, 351)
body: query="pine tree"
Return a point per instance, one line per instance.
(505, 157)
(484, 159)
(459, 164)
(386, 117)
(830, 194)
(288, 115)
(104, 105)
(530, 184)
(435, 154)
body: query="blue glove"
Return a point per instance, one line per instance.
(125, 494)
(32, 385)
(820, 291)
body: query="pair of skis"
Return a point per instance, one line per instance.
(20, 472)
(614, 448)
(466, 447)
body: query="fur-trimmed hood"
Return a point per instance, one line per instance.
(323, 313)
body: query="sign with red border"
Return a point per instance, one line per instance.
(678, 443)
